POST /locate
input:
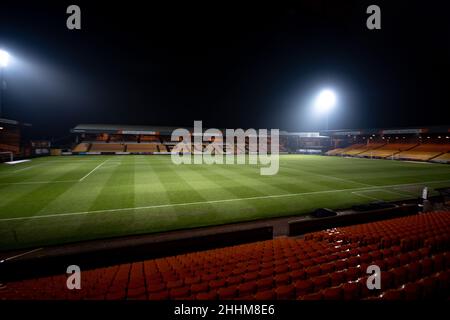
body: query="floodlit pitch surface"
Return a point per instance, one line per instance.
(57, 200)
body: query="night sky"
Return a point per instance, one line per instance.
(231, 65)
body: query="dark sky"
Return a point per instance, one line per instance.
(229, 64)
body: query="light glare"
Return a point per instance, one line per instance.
(4, 58)
(325, 101)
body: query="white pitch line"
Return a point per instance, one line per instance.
(333, 177)
(360, 194)
(342, 179)
(38, 182)
(400, 193)
(19, 170)
(26, 168)
(87, 175)
(20, 255)
(220, 201)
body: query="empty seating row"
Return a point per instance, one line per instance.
(354, 149)
(425, 151)
(405, 151)
(120, 147)
(107, 147)
(387, 150)
(444, 158)
(412, 252)
(82, 147)
(142, 147)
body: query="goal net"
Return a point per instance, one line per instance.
(6, 156)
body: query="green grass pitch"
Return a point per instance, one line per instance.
(56, 200)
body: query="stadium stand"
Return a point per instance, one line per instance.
(146, 138)
(142, 147)
(120, 138)
(335, 152)
(365, 148)
(444, 158)
(162, 148)
(82, 147)
(412, 252)
(355, 149)
(107, 147)
(424, 152)
(387, 150)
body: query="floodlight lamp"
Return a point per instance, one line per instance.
(4, 58)
(325, 101)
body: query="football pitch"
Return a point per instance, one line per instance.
(56, 200)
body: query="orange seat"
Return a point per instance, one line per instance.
(404, 258)
(209, 277)
(265, 284)
(353, 261)
(321, 282)
(227, 293)
(303, 287)
(216, 284)
(264, 273)
(365, 258)
(424, 252)
(206, 296)
(351, 290)
(411, 291)
(352, 273)
(427, 287)
(179, 293)
(392, 295)
(438, 262)
(313, 296)
(199, 287)
(281, 268)
(234, 280)
(251, 275)
(446, 260)
(376, 255)
(391, 262)
(327, 268)
(312, 271)
(191, 280)
(297, 275)
(340, 265)
(414, 270)
(334, 293)
(161, 295)
(247, 288)
(336, 278)
(443, 281)
(156, 287)
(426, 266)
(174, 284)
(386, 253)
(387, 280)
(400, 276)
(285, 292)
(265, 295)
(282, 279)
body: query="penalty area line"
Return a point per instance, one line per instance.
(87, 175)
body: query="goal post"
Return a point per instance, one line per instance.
(6, 156)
